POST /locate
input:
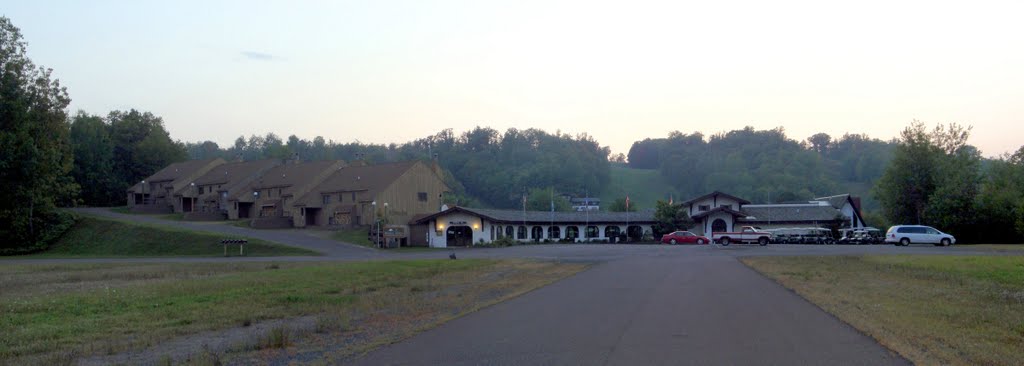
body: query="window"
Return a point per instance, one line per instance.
(611, 231)
(422, 196)
(537, 233)
(353, 196)
(521, 232)
(572, 232)
(200, 189)
(341, 197)
(592, 232)
(554, 232)
(510, 232)
(327, 199)
(279, 192)
(728, 207)
(704, 208)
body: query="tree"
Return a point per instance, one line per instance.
(820, 142)
(669, 218)
(93, 164)
(909, 180)
(141, 146)
(35, 153)
(619, 205)
(934, 178)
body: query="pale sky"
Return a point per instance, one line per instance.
(392, 71)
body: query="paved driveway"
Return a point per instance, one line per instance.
(651, 310)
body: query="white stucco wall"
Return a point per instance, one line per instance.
(712, 203)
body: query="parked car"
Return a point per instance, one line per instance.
(683, 237)
(749, 234)
(906, 234)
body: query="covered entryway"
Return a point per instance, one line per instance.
(459, 236)
(718, 226)
(311, 215)
(244, 210)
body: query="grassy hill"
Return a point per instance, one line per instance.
(100, 237)
(644, 187)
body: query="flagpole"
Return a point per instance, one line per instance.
(586, 206)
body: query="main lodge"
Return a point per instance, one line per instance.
(406, 196)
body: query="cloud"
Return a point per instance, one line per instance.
(259, 56)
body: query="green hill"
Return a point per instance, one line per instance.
(644, 187)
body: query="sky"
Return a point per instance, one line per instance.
(393, 71)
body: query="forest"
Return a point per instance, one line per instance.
(50, 159)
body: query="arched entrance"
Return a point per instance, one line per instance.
(459, 236)
(718, 226)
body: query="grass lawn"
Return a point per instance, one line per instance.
(956, 310)
(998, 247)
(352, 236)
(100, 237)
(56, 314)
(170, 216)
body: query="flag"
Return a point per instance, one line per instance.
(524, 201)
(670, 199)
(552, 200)
(627, 202)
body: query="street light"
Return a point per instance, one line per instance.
(192, 208)
(143, 192)
(376, 228)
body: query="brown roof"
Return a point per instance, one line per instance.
(370, 179)
(288, 175)
(730, 211)
(175, 171)
(178, 170)
(233, 172)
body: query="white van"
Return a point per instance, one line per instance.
(906, 234)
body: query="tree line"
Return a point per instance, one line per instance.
(765, 165)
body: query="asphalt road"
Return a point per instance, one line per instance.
(636, 305)
(671, 310)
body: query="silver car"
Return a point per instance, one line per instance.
(906, 234)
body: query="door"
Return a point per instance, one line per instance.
(459, 236)
(718, 226)
(932, 236)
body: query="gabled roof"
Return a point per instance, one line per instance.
(716, 193)
(790, 213)
(232, 172)
(837, 201)
(369, 179)
(730, 211)
(177, 171)
(291, 175)
(546, 217)
(232, 177)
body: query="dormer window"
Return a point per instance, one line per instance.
(327, 199)
(704, 208)
(727, 207)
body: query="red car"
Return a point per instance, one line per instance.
(683, 237)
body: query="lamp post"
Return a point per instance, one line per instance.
(255, 195)
(193, 206)
(384, 220)
(376, 229)
(143, 192)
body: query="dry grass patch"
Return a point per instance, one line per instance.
(955, 310)
(151, 312)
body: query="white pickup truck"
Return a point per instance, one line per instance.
(749, 234)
